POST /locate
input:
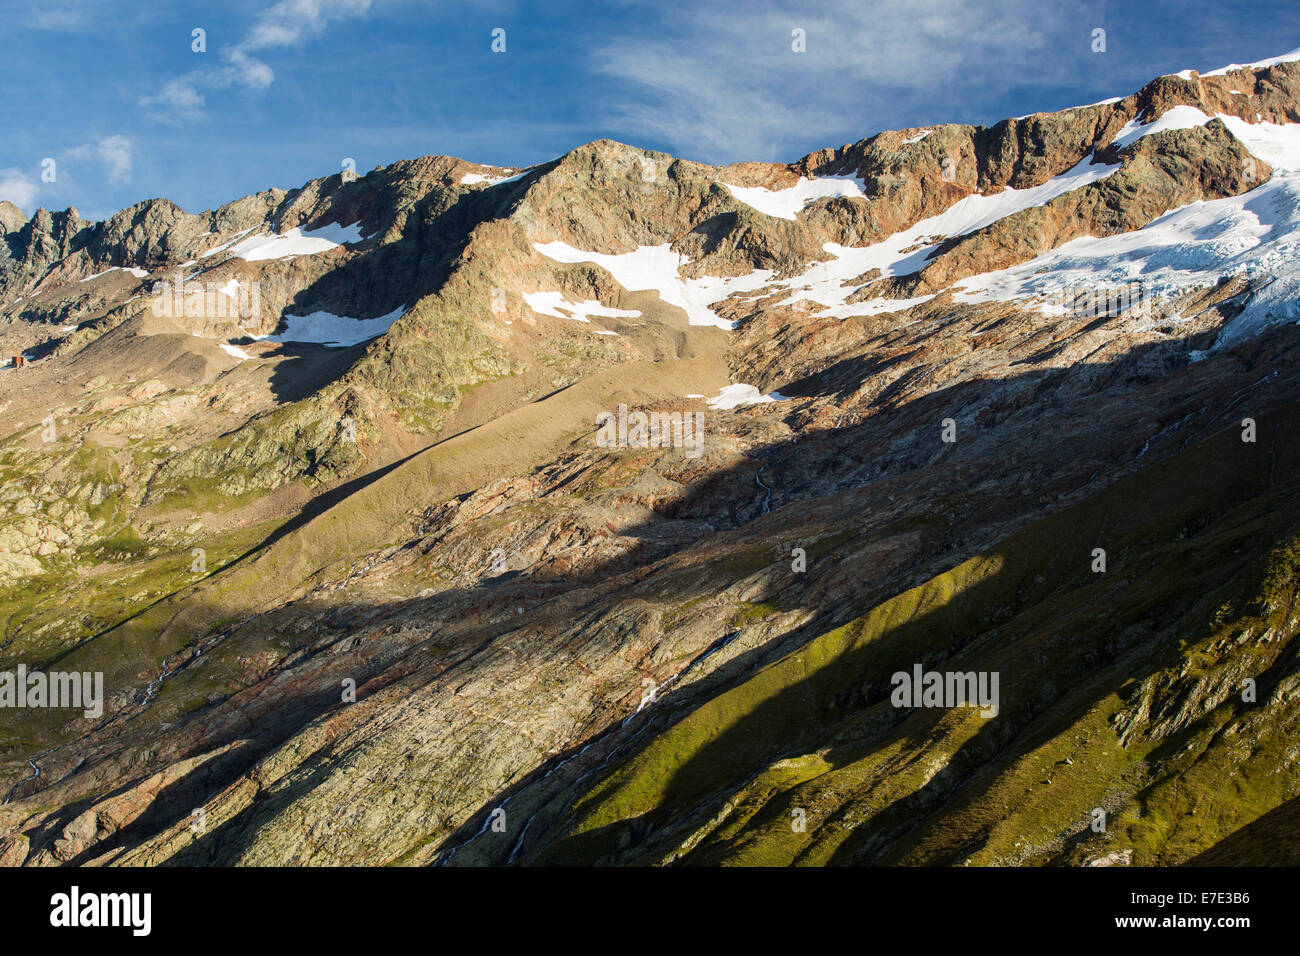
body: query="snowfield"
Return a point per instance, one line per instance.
(1180, 117)
(734, 396)
(138, 273)
(788, 203)
(1272, 61)
(1255, 235)
(908, 251)
(476, 179)
(550, 303)
(235, 351)
(654, 268)
(295, 242)
(338, 331)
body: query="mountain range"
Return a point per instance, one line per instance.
(595, 512)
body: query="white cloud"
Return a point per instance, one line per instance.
(728, 84)
(18, 188)
(117, 153)
(68, 16)
(287, 23)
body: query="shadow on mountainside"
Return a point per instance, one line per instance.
(1062, 639)
(850, 484)
(1271, 840)
(305, 368)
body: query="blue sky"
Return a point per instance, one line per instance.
(112, 91)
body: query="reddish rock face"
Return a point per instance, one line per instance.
(351, 594)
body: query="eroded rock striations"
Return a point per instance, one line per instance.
(316, 481)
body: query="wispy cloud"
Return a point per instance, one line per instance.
(286, 24)
(68, 15)
(728, 82)
(111, 157)
(117, 153)
(18, 188)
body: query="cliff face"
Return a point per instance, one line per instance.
(343, 493)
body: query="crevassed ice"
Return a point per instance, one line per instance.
(1255, 235)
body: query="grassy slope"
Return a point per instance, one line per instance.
(1199, 594)
(373, 516)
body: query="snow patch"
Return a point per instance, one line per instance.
(1276, 144)
(295, 242)
(1255, 236)
(908, 251)
(225, 245)
(338, 331)
(655, 268)
(1273, 61)
(235, 351)
(337, 233)
(550, 303)
(474, 179)
(734, 396)
(1180, 117)
(788, 203)
(138, 273)
(1106, 102)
